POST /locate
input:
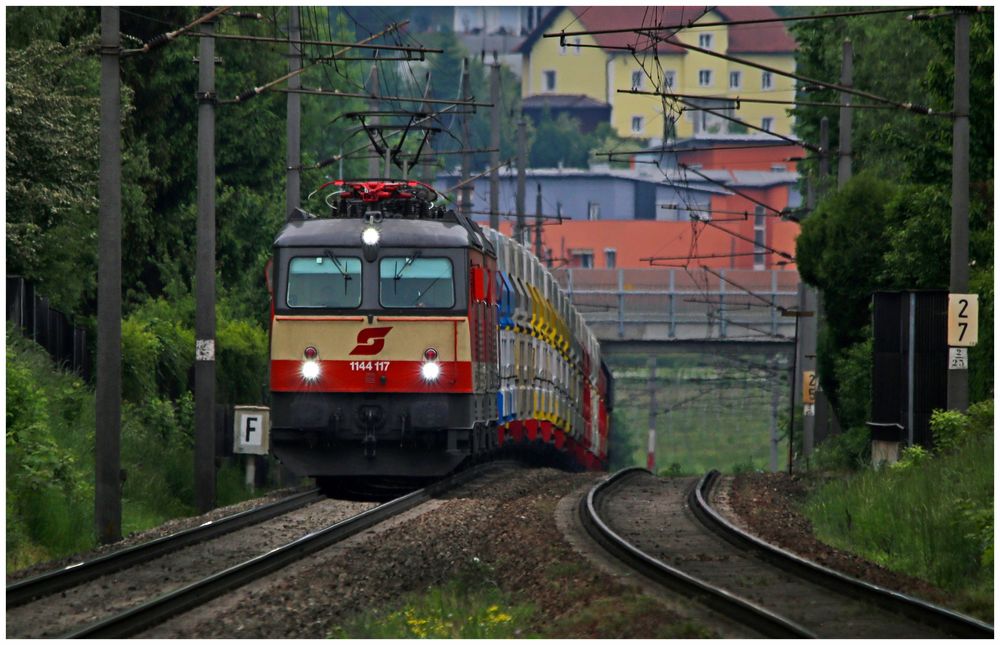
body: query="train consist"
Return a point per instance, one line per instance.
(406, 340)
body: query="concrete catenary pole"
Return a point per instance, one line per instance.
(651, 387)
(538, 222)
(846, 115)
(466, 194)
(204, 370)
(495, 144)
(107, 484)
(775, 367)
(807, 302)
(293, 127)
(374, 161)
(522, 164)
(958, 380)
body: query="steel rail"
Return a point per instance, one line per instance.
(142, 617)
(23, 591)
(740, 609)
(916, 609)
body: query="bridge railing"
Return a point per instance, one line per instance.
(684, 304)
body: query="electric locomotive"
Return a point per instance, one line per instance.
(406, 340)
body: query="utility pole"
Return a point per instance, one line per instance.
(538, 222)
(293, 197)
(204, 370)
(107, 453)
(373, 158)
(651, 387)
(522, 162)
(775, 367)
(958, 380)
(466, 194)
(846, 115)
(495, 144)
(806, 354)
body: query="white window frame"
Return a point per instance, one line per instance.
(641, 120)
(766, 81)
(707, 74)
(637, 74)
(545, 76)
(672, 75)
(759, 230)
(767, 123)
(576, 46)
(739, 79)
(593, 210)
(705, 41)
(610, 258)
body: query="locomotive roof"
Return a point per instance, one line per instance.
(394, 233)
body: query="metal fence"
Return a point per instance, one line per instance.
(684, 304)
(52, 329)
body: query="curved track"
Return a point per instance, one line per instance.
(651, 522)
(23, 591)
(936, 617)
(748, 613)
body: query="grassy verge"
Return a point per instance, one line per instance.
(50, 460)
(930, 515)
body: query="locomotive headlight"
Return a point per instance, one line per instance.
(310, 370)
(370, 236)
(430, 370)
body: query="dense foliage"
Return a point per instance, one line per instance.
(889, 227)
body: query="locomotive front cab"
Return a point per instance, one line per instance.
(372, 353)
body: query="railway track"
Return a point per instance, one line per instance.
(118, 619)
(23, 591)
(666, 529)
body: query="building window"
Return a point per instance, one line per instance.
(734, 80)
(549, 80)
(759, 237)
(576, 46)
(582, 258)
(765, 80)
(766, 124)
(705, 41)
(669, 79)
(705, 77)
(562, 47)
(637, 80)
(609, 258)
(593, 210)
(638, 124)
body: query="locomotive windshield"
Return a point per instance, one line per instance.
(328, 282)
(416, 282)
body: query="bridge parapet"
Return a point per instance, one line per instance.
(678, 304)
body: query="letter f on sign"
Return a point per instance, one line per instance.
(251, 427)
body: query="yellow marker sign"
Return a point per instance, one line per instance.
(963, 319)
(809, 384)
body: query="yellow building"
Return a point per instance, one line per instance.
(598, 65)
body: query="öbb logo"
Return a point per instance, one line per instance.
(371, 341)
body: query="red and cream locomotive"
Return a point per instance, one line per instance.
(406, 340)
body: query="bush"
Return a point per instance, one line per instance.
(849, 450)
(49, 503)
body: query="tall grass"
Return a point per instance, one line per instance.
(50, 460)
(929, 516)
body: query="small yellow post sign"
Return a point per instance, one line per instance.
(809, 384)
(963, 319)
